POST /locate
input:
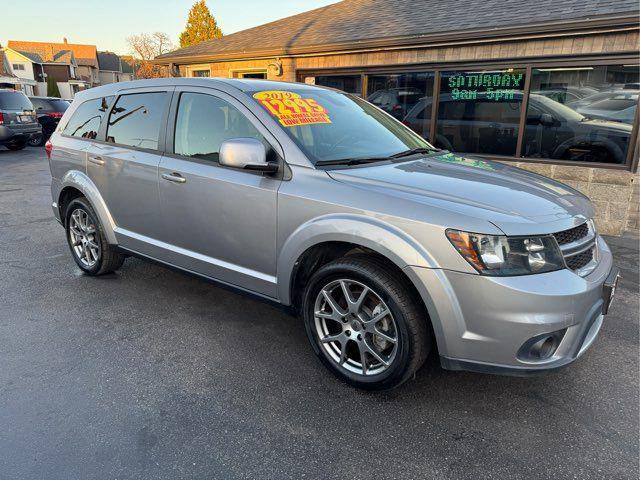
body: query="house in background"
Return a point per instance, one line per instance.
(39, 64)
(85, 59)
(8, 79)
(128, 66)
(111, 68)
(17, 74)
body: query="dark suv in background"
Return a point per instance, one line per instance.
(49, 111)
(18, 123)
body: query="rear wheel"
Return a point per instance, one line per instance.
(16, 146)
(364, 323)
(87, 242)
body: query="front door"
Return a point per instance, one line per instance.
(218, 221)
(125, 166)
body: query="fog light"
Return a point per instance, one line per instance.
(541, 347)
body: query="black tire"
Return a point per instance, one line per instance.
(412, 334)
(36, 141)
(109, 259)
(16, 146)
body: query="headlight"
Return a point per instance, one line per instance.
(503, 256)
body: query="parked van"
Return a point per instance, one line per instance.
(388, 247)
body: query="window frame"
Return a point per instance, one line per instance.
(568, 61)
(172, 118)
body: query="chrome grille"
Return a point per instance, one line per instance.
(579, 248)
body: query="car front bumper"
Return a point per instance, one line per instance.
(481, 323)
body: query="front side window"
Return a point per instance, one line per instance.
(479, 112)
(331, 126)
(85, 121)
(136, 119)
(203, 122)
(581, 113)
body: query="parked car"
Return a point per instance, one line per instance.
(396, 101)
(315, 199)
(49, 111)
(553, 130)
(609, 105)
(18, 123)
(567, 94)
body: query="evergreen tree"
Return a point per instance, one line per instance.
(201, 25)
(52, 88)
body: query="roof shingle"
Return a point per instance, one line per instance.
(353, 21)
(45, 52)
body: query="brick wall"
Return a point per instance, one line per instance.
(614, 193)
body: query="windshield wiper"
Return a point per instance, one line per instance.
(414, 151)
(350, 161)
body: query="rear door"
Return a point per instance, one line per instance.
(220, 222)
(123, 164)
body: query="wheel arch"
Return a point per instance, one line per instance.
(337, 234)
(77, 181)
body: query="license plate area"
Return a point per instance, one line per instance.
(25, 119)
(609, 289)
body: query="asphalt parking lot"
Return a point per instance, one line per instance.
(149, 373)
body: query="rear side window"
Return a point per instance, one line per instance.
(13, 100)
(135, 120)
(85, 121)
(204, 122)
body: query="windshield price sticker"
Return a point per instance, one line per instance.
(291, 109)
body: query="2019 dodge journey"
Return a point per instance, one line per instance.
(313, 198)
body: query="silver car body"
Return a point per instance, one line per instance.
(249, 230)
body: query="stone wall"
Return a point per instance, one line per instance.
(614, 193)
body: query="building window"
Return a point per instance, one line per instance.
(346, 83)
(406, 96)
(200, 73)
(581, 113)
(18, 66)
(479, 112)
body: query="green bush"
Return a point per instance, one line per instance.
(52, 88)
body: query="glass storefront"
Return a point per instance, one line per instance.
(479, 112)
(580, 113)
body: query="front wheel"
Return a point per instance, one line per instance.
(364, 322)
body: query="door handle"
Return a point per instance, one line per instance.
(174, 177)
(96, 160)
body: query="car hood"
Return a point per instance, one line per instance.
(516, 201)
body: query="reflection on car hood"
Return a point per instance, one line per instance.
(516, 201)
(594, 120)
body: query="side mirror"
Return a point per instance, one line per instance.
(547, 120)
(246, 154)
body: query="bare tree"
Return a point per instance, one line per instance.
(145, 47)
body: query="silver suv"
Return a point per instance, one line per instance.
(315, 199)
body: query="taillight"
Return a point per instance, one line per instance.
(1, 118)
(48, 148)
(55, 114)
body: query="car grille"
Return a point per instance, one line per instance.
(572, 235)
(579, 248)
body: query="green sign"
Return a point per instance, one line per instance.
(489, 86)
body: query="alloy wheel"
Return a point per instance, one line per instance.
(83, 238)
(355, 327)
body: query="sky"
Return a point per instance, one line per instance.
(107, 23)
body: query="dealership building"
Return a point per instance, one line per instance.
(551, 86)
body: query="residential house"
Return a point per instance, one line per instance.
(46, 62)
(8, 77)
(85, 67)
(111, 68)
(487, 77)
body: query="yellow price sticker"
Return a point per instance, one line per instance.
(291, 109)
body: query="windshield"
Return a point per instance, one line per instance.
(332, 126)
